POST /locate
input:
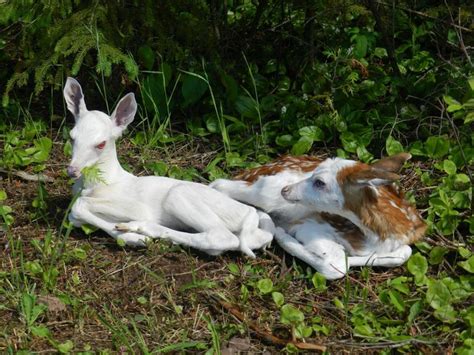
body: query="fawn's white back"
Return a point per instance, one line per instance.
(134, 209)
(327, 209)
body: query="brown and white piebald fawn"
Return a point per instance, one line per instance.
(333, 213)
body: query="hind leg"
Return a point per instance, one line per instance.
(252, 236)
(193, 206)
(393, 259)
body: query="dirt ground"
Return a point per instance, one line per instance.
(168, 297)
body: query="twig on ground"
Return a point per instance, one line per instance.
(262, 333)
(27, 176)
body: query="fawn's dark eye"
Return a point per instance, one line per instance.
(319, 184)
(100, 145)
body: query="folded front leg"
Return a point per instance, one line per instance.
(81, 214)
(331, 265)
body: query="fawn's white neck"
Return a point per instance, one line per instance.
(110, 169)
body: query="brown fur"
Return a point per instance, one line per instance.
(302, 163)
(374, 208)
(346, 229)
(384, 211)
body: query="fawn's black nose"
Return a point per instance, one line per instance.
(73, 172)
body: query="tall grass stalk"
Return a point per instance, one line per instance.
(217, 108)
(156, 126)
(256, 102)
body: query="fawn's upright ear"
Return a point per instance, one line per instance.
(393, 164)
(382, 172)
(125, 111)
(74, 97)
(373, 177)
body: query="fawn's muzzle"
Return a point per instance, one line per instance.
(73, 172)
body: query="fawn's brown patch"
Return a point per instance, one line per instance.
(302, 163)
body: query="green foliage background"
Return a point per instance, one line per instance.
(259, 78)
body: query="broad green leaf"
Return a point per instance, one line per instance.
(380, 52)
(40, 331)
(302, 146)
(142, 300)
(349, 141)
(469, 104)
(437, 146)
(265, 286)
(88, 229)
(121, 242)
(469, 118)
(291, 315)
(418, 266)
(147, 57)
(415, 309)
(312, 132)
(397, 300)
(319, 282)
(363, 154)
(364, 329)
(468, 264)
(468, 316)
(471, 82)
(338, 303)
(65, 347)
(446, 314)
(464, 252)
(79, 253)
(43, 147)
(67, 149)
(231, 86)
(244, 293)
(393, 146)
(33, 267)
(449, 167)
(193, 89)
(417, 148)
(284, 141)
(303, 331)
(453, 105)
(278, 298)
(234, 268)
(247, 107)
(438, 295)
(437, 255)
(399, 283)
(3, 195)
(360, 49)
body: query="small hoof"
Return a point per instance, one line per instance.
(122, 227)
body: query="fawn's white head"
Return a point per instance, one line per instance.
(337, 183)
(94, 134)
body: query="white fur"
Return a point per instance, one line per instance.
(134, 209)
(291, 198)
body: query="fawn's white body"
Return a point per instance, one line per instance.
(134, 209)
(327, 209)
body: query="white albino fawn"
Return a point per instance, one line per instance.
(327, 209)
(134, 209)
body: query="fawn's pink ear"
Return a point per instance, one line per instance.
(74, 97)
(393, 164)
(125, 111)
